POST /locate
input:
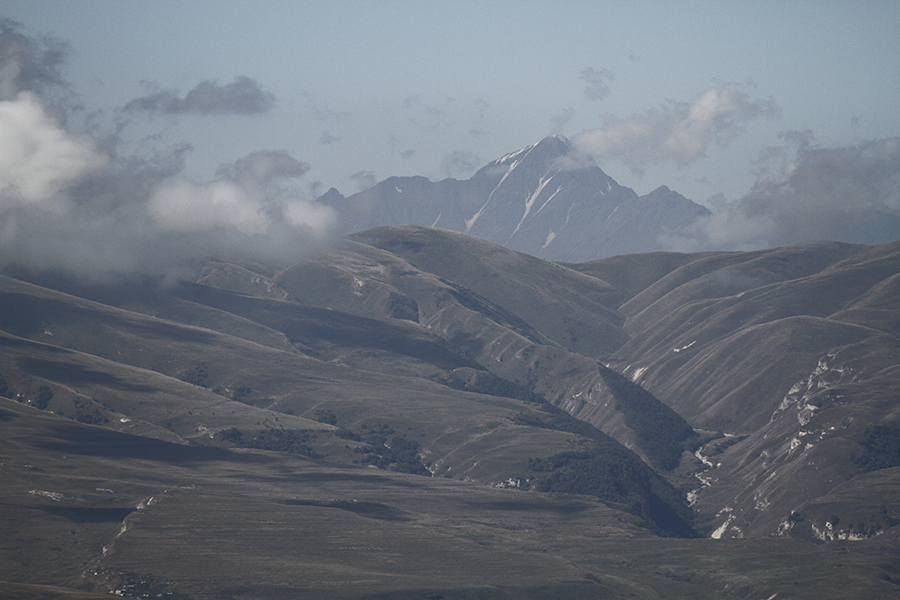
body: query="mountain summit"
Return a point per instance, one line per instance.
(547, 199)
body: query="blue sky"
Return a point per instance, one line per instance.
(401, 88)
(709, 98)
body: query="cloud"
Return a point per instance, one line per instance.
(574, 161)
(460, 162)
(597, 83)
(71, 203)
(29, 64)
(561, 119)
(38, 159)
(243, 96)
(244, 199)
(145, 217)
(677, 132)
(849, 194)
(364, 179)
(264, 167)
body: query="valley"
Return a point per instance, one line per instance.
(420, 413)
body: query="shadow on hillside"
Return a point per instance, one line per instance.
(68, 373)
(86, 514)
(72, 439)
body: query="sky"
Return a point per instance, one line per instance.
(225, 115)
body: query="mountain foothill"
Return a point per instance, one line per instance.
(494, 388)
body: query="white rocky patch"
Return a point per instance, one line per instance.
(823, 377)
(784, 528)
(829, 534)
(512, 482)
(55, 496)
(638, 373)
(717, 534)
(677, 350)
(549, 239)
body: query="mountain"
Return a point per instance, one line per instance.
(547, 200)
(418, 412)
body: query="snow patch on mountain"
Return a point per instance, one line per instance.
(530, 203)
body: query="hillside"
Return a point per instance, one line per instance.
(429, 414)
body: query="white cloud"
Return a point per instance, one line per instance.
(301, 213)
(677, 132)
(38, 158)
(67, 205)
(849, 194)
(182, 206)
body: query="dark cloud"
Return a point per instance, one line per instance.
(29, 64)
(243, 96)
(849, 194)
(596, 83)
(678, 132)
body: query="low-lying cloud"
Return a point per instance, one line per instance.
(38, 159)
(677, 132)
(849, 194)
(69, 203)
(243, 96)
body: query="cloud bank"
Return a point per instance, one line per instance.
(243, 96)
(849, 194)
(677, 132)
(69, 203)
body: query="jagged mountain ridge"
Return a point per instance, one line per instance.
(548, 200)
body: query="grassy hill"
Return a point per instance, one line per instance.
(418, 413)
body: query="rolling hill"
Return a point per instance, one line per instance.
(418, 412)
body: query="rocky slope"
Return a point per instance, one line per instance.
(547, 200)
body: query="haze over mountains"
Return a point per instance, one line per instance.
(528, 383)
(547, 200)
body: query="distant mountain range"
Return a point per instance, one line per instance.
(547, 200)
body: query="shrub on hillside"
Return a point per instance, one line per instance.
(880, 448)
